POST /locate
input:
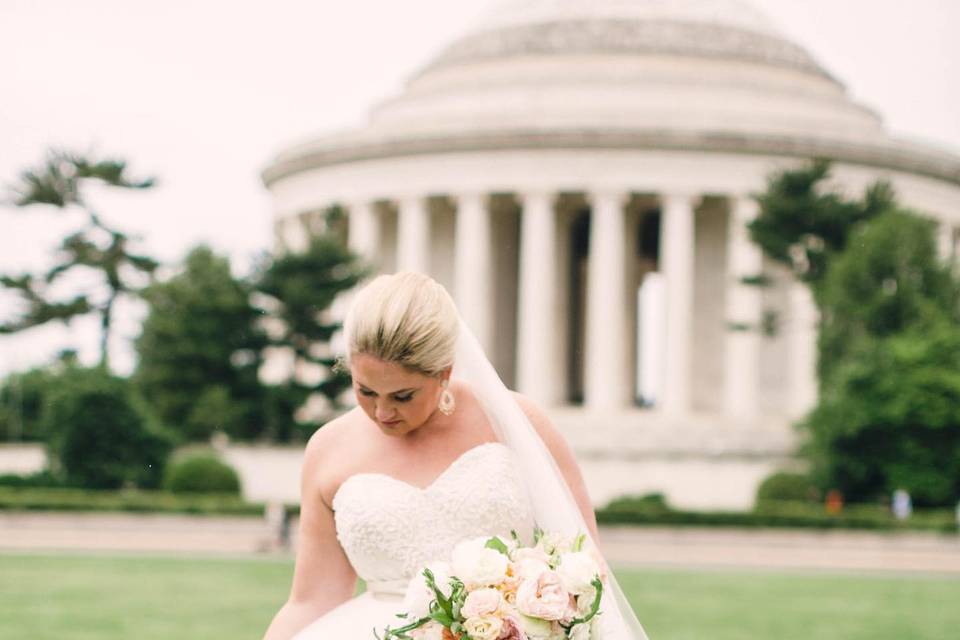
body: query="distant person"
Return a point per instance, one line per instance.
(902, 505)
(834, 502)
(276, 517)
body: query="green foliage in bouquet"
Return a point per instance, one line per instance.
(447, 610)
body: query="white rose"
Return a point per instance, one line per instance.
(555, 543)
(585, 601)
(577, 570)
(477, 565)
(483, 627)
(580, 632)
(416, 600)
(535, 628)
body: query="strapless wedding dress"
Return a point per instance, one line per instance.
(390, 529)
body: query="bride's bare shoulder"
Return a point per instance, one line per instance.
(323, 457)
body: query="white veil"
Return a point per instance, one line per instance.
(553, 504)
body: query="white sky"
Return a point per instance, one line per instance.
(201, 94)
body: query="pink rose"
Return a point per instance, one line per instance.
(544, 597)
(511, 630)
(481, 602)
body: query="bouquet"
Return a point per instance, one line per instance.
(496, 589)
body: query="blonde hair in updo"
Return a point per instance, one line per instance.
(407, 318)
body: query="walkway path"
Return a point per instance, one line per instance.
(627, 546)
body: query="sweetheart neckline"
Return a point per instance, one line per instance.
(456, 461)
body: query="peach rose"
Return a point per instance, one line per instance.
(481, 602)
(544, 597)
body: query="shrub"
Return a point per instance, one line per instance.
(782, 485)
(201, 473)
(22, 397)
(39, 479)
(99, 438)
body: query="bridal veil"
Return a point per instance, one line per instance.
(553, 504)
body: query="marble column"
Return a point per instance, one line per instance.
(473, 268)
(743, 307)
(363, 232)
(803, 350)
(413, 235)
(676, 252)
(537, 304)
(607, 379)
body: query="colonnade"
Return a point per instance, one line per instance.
(607, 378)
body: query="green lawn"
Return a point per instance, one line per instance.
(112, 597)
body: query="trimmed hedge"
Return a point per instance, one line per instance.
(642, 511)
(803, 515)
(39, 499)
(786, 486)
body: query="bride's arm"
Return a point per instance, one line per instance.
(563, 455)
(322, 577)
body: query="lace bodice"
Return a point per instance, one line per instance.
(389, 529)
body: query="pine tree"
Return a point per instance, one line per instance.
(60, 182)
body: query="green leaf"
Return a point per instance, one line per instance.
(496, 544)
(578, 542)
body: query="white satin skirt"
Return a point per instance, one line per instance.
(356, 618)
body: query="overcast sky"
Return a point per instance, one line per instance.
(201, 94)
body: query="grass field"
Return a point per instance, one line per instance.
(148, 598)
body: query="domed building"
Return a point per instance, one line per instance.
(578, 174)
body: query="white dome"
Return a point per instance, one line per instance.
(687, 75)
(725, 29)
(730, 13)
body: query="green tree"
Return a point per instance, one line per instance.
(61, 182)
(888, 280)
(891, 416)
(297, 289)
(199, 351)
(887, 362)
(802, 224)
(99, 437)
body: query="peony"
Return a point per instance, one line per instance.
(483, 627)
(512, 629)
(481, 602)
(417, 599)
(577, 570)
(529, 568)
(544, 597)
(478, 565)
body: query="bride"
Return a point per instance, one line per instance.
(437, 451)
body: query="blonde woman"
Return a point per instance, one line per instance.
(436, 451)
